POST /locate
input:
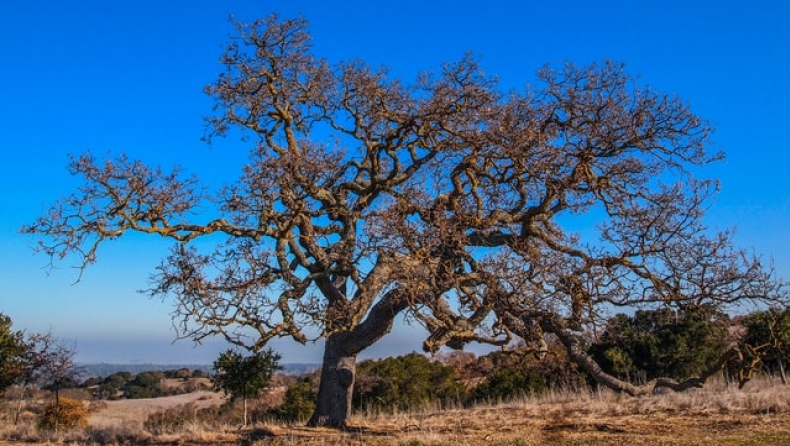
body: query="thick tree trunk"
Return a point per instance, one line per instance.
(333, 406)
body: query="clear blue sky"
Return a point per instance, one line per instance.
(127, 76)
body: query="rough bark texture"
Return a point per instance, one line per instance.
(333, 406)
(337, 383)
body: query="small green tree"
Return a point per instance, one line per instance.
(244, 376)
(13, 350)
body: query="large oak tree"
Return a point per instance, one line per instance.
(365, 197)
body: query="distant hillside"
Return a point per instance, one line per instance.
(88, 370)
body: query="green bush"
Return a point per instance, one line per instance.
(507, 383)
(508, 374)
(768, 336)
(299, 403)
(144, 385)
(662, 343)
(405, 383)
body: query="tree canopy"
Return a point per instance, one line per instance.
(484, 215)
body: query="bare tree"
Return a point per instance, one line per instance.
(364, 197)
(589, 151)
(47, 363)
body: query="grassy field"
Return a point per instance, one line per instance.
(717, 415)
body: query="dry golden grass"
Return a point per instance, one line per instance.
(717, 415)
(132, 413)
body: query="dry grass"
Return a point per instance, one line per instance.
(132, 413)
(756, 415)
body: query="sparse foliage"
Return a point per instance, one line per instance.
(171, 420)
(444, 198)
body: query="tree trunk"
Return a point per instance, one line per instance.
(782, 375)
(57, 410)
(244, 416)
(19, 404)
(333, 406)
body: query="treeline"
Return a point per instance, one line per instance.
(148, 384)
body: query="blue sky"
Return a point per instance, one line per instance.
(127, 76)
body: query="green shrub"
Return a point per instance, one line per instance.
(299, 403)
(405, 383)
(144, 385)
(662, 343)
(768, 332)
(508, 383)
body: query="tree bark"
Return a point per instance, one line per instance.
(333, 406)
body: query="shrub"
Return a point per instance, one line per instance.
(405, 383)
(655, 343)
(507, 383)
(768, 334)
(299, 403)
(65, 414)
